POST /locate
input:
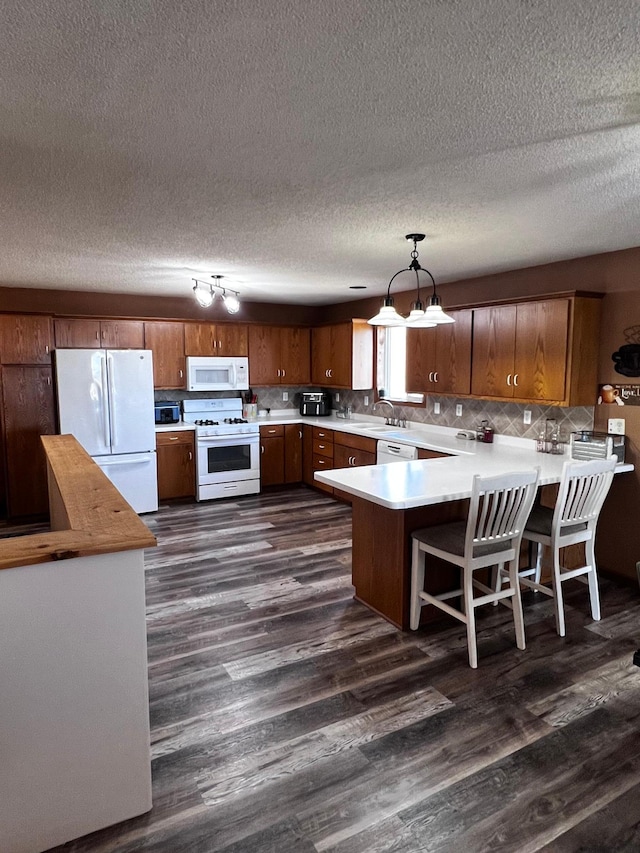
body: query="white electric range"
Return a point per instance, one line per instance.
(227, 448)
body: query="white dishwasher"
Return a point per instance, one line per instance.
(389, 451)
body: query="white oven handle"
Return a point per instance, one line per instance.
(226, 440)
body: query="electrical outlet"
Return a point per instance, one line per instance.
(366, 400)
(527, 416)
(337, 396)
(285, 396)
(436, 408)
(458, 409)
(616, 426)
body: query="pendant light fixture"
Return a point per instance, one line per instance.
(205, 294)
(418, 318)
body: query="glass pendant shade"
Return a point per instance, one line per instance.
(203, 297)
(387, 316)
(231, 302)
(417, 318)
(434, 313)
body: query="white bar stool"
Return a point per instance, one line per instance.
(583, 488)
(498, 510)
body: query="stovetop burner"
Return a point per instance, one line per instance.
(206, 423)
(235, 421)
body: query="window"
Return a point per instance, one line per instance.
(392, 365)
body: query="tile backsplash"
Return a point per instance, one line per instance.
(505, 418)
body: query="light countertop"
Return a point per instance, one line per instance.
(405, 485)
(181, 425)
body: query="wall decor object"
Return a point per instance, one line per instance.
(627, 359)
(621, 395)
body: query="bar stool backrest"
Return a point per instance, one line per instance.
(499, 509)
(583, 488)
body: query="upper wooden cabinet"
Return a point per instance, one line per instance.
(114, 334)
(542, 350)
(25, 339)
(215, 339)
(439, 360)
(342, 355)
(166, 340)
(279, 355)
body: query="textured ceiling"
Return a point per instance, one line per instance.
(289, 146)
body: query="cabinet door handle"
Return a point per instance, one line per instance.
(98, 335)
(190, 456)
(321, 446)
(48, 380)
(46, 349)
(515, 379)
(299, 433)
(262, 448)
(435, 377)
(330, 373)
(173, 438)
(321, 462)
(271, 430)
(283, 373)
(215, 344)
(219, 344)
(509, 379)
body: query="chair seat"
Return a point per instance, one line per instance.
(541, 519)
(450, 538)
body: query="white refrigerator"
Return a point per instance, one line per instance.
(105, 399)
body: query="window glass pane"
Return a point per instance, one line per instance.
(392, 365)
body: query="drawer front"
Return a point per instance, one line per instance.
(357, 442)
(423, 453)
(272, 431)
(323, 434)
(323, 448)
(172, 438)
(321, 463)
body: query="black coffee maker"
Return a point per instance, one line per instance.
(315, 403)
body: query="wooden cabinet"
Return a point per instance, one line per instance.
(28, 412)
(87, 334)
(439, 360)
(271, 455)
(423, 453)
(25, 339)
(342, 355)
(293, 453)
(279, 355)
(520, 351)
(537, 351)
(176, 464)
(216, 339)
(351, 451)
(166, 340)
(317, 455)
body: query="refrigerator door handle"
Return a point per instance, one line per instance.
(112, 403)
(122, 460)
(103, 402)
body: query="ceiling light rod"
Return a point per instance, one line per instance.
(418, 317)
(206, 294)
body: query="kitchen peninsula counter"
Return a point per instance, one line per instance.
(74, 714)
(391, 501)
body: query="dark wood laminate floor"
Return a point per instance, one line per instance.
(287, 717)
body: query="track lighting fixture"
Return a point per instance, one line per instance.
(205, 294)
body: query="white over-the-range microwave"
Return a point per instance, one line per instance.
(216, 373)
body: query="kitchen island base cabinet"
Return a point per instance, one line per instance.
(74, 715)
(381, 556)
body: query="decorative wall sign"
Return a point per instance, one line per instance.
(621, 395)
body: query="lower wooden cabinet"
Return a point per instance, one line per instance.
(28, 412)
(280, 454)
(176, 464)
(431, 454)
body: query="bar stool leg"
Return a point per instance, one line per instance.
(471, 618)
(558, 598)
(516, 603)
(592, 577)
(417, 585)
(538, 573)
